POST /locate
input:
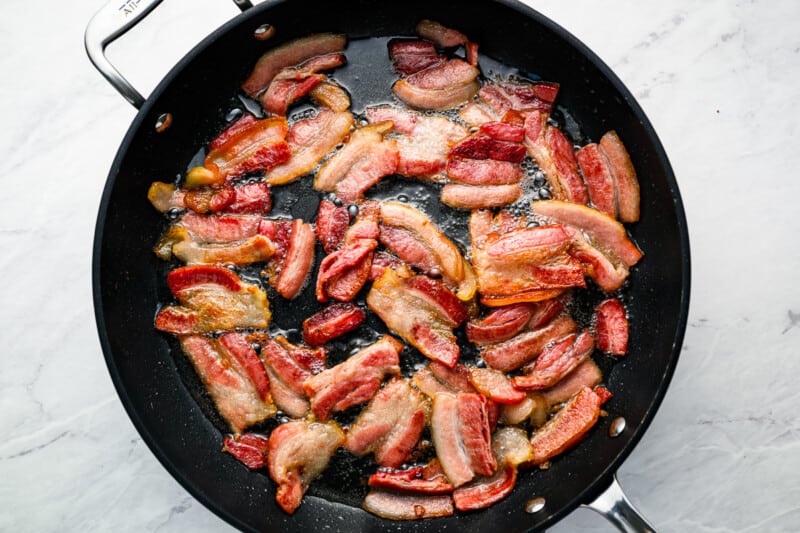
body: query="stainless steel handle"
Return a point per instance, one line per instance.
(111, 22)
(615, 506)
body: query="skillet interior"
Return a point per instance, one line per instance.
(200, 90)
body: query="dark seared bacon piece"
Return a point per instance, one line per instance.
(503, 96)
(290, 54)
(396, 506)
(292, 83)
(485, 492)
(409, 57)
(442, 86)
(479, 196)
(482, 146)
(586, 374)
(611, 327)
(417, 479)
(460, 431)
(212, 299)
(251, 198)
(236, 398)
(438, 297)
(332, 224)
(625, 180)
(514, 353)
(598, 178)
(556, 361)
(484, 171)
(567, 427)
(500, 324)
(250, 449)
(495, 385)
(333, 321)
(354, 381)
(288, 367)
(391, 424)
(298, 452)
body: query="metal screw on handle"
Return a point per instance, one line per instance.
(111, 22)
(615, 506)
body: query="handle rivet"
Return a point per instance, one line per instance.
(535, 505)
(264, 32)
(617, 427)
(163, 122)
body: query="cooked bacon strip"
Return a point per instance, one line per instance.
(354, 381)
(511, 446)
(479, 196)
(544, 312)
(495, 385)
(409, 248)
(439, 87)
(240, 198)
(391, 425)
(212, 299)
(288, 367)
(298, 452)
(289, 54)
(250, 449)
(331, 95)
(476, 113)
(416, 479)
(586, 374)
(364, 160)
(484, 171)
(598, 178)
(608, 275)
(234, 395)
(292, 83)
(567, 427)
(456, 271)
(481, 146)
(460, 431)
(332, 224)
(503, 96)
(611, 327)
(503, 131)
(438, 297)
(457, 378)
(625, 180)
(238, 349)
(422, 141)
(333, 321)
(603, 230)
(178, 242)
(603, 393)
(381, 261)
(514, 353)
(299, 260)
(310, 140)
(556, 361)
(409, 57)
(483, 493)
(537, 244)
(500, 324)
(395, 506)
(441, 35)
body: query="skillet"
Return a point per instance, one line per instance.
(158, 389)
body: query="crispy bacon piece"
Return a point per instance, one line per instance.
(598, 178)
(423, 142)
(586, 374)
(514, 353)
(604, 231)
(298, 262)
(485, 492)
(556, 361)
(606, 270)
(416, 479)
(354, 381)
(331, 95)
(333, 321)
(310, 140)
(396, 506)
(611, 327)
(289, 54)
(236, 398)
(192, 250)
(500, 324)
(479, 196)
(460, 431)
(212, 299)
(250, 449)
(364, 160)
(391, 424)
(442, 86)
(481, 146)
(298, 452)
(288, 367)
(332, 224)
(567, 427)
(409, 57)
(455, 270)
(484, 171)
(625, 180)
(495, 385)
(251, 198)
(292, 83)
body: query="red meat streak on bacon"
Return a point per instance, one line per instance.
(556, 361)
(289, 366)
(625, 180)
(479, 196)
(598, 178)
(483, 493)
(500, 324)
(439, 87)
(292, 83)
(409, 57)
(250, 449)
(514, 353)
(298, 262)
(611, 327)
(236, 346)
(484, 171)
(567, 427)
(249, 145)
(413, 480)
(495, 385)
(331, 226)
(333, 321)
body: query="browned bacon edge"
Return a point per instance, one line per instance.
(331, 322)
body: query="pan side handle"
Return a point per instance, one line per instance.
(615, 506)
(111, 22)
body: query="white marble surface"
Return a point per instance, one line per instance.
(720, 80)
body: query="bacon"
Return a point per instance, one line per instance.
(240, 198)
(354, 381)
(442, 86)
(395, 506)
(292, 83)
(250, 449)
(354, 257)
(364, 160)
(310, 140)
(237, 348)
(455, 271)
(500, 324)
(298, 262)
(511, 446)
(331, 95)
(457, 378)
(288, 367)
(625, 180)
(460, 431)
(438, 297)
(586, 374)
(180, 243)
(544, 312)
(566, 165)
(484, 147)
(556, 361)
(483, 493)
(495, 385)
(414, 480)
(409, 57)
(332, 224)
(567, 427)
(441, 35)
(514, 353)
(608, 275)
(598, 178)
(391, 424)
(333, 321)
(479, 196)
(611, 327)
(287, 55)
(484, 171)
(236, 398)
(604, 231)
(537, 244)
(533, 408)
(409, 248)
(522, 97)
(381, 261)
(212, 299)
(435, 343)
(298, 452)
(503, 131)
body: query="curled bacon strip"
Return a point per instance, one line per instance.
(417, 479)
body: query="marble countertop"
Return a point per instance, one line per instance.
(719, 80)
